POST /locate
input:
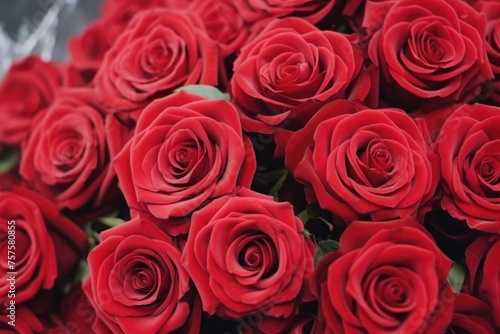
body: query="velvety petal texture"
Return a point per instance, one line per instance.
(470, 316)
(34, 261)
(468, 145)
(310, 10)
(360, 163)
(66, 157)
(186, 151)
(137, 284)
(484, 273)
(430, 53)
(28, 88)
(290, 69)
(386, 277)
(160, 50)
(247, 254)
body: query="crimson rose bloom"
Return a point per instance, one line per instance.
(28, 88)
(282, 76)
(387, 277)
(137, 284)
(159, 51)
(482, 261)
(311, 10)
(120, 12)
(430, 52)
(367, 16)
(26, 322)
(470, 162)
(187, 149)
(247, 254)
(470, 315)
(35, 257)
(87, 51)
(361, 163)
(77, 313)
(223, 23)
(491, 9)
(66, 158)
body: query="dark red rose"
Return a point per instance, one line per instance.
(137, 284)
(28, 88)
(470, 163)
(119, 130)
(26, 322)
(482, 261)
(491, 10)
(66, 158)
(77, 313)
(249, 260)
(88, 49)
(121, 12)
(223, 23)
(70, 242)
(289, 70)
(387, 277)
(186, 150)
(311, 10)
(367, 16)
(359, 163)
(159, 51)
(471, 316)
(34, 259)
(430, 52)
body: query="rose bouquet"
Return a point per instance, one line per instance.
(256, 166)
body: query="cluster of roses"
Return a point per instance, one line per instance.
(346, 181)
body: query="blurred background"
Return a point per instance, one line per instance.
(41, 26)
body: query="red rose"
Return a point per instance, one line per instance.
(34, 254)
(386, 277)
(121, 12)
(430, 52)
(137, 284)
(283, 75)
(223, 23)
(367, 16)
(26, 322)
(66, 158)
(186, 150)
(482, 261)
(491, 9)
(470, 163)
(70, 242)
(159, 51)
(88, 49)
(28, 88)
(249, 259)
(470, 316)
(77, 313)
(361, 163)
(311, 10)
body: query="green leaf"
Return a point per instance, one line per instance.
(314, 211)
(324, 247)
(92, 236)
(111, 221)
(206, 91)
(456, 277)
(304, 216)
(306, 233)
(9, 158)
(83, 271)
(277, 186)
